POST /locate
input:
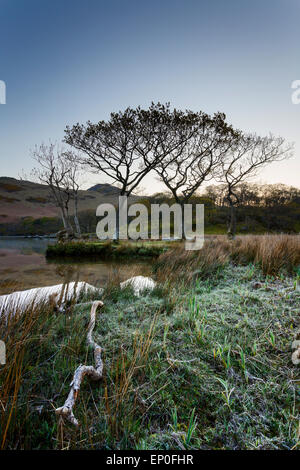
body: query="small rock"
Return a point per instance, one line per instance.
(139, 283)
(256, 285)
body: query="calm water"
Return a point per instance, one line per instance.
(23, 265)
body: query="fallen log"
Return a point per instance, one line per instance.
(95, 373)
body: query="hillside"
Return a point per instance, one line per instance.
(26, 200)
(27, 208)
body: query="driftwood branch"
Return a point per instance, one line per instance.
(95, 373)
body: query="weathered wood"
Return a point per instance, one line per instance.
(94, 373)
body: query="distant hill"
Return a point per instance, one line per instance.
(21, 199)
(106, 189)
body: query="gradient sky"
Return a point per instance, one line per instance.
(67, 61)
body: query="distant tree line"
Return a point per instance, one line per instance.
(260, 208)
(185, 149)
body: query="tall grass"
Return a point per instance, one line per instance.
(38, 340)
(21, 333)
(121, 399)
(272, 253)
(43, 349)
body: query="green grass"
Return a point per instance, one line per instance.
(221, 229)
(108, 249)
(205, 365)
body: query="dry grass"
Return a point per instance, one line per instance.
(16, 331)
(119, 380)
(115, 277)
(272, 253)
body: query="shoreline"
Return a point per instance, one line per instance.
(104, 249)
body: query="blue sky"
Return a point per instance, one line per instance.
(68, 61)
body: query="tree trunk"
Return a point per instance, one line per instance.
(76, 221)
(64, 219)
(117, 234)
(122, 208)
(77, 226)
(69, 225)
(182, 221)
(63, 206)
(231, 232)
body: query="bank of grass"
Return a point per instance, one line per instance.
(272, 253)
(200, 363)
(108, 249)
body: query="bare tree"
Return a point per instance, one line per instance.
(71, 161)
(244, 160)
(54, 170)
(112, 148)
(125, 148)
(188, 165)
(216, 193)
(132, 143)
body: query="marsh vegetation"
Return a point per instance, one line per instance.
(201, 362)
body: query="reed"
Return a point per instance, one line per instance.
(272, 253)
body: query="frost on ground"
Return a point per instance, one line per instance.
(204, 364)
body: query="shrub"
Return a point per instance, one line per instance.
(8, 199)
(39, 199)
(9, 187)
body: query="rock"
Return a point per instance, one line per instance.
(296, 344)
(296, 357)
(296, 347)
(21, 300)
(64, 236)
(139, 283)
(256, 285)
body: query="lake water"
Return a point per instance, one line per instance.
(23, 265)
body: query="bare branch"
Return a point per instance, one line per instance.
(95, 373)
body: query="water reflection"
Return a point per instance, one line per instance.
(30, 245)
(23, 265)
